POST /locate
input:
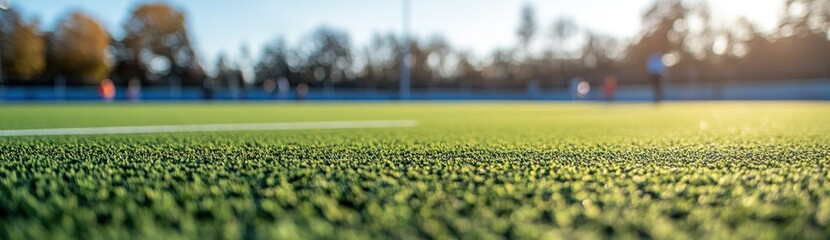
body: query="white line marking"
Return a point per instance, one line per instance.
(211, 128)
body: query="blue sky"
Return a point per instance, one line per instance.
(479, 26)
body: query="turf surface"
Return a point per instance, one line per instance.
(469, 170)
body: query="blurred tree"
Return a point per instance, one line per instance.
(665, 30)
(697, 35)
(386, 59)
(742, 36)
(664, 27)
(124, 68)
(227, 75)
(78, 49)
(598, 52)
(246, 65)
(465, 72)
(562, 30)
(523, 58)
(800, 45)
(433, 66)
(273, 62)
(527, 28)
(23, 48)
(433, 63)
(330, 55)
(800, 17)
(157, 43)
(499, 70)
(156, 50)
(419, 70)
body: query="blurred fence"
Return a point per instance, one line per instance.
(811, 89)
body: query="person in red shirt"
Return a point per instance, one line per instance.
(609, 87)
(106, 90)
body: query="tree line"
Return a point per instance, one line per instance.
(156, 51)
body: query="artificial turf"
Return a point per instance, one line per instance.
(716, 170)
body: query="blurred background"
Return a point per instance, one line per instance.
(592, 50)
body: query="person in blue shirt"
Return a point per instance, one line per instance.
(656, 69)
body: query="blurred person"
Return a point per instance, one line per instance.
(134, 90)
(269, 85)
(656, 69)
(283, 87)
(609, 87)
(106, 90)
(302, 90)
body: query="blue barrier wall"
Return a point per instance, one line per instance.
(812, 89)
